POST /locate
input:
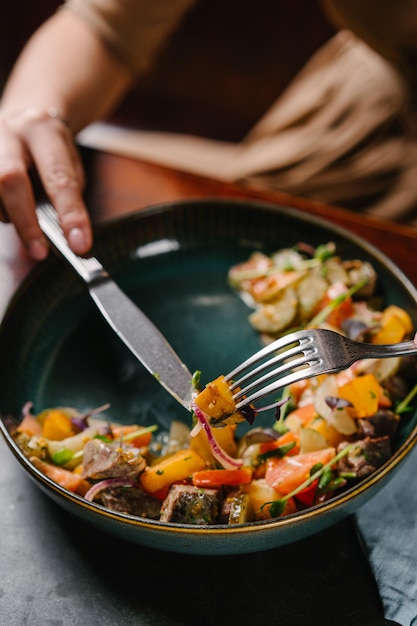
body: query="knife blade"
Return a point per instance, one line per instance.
(124, 317)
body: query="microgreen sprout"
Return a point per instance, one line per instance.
(279, 452)
(103, 438)
(196, 379)
(325, 251)
(404, 405)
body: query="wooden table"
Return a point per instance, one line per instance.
(56, 570)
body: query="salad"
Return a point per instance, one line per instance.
(326, 433)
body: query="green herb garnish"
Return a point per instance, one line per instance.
(62, 457)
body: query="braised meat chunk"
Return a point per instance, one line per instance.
(131, 500)
(111, 460)
(186, 504)
(365, 457)
(382, 423)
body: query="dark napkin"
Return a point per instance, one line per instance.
(388, 527)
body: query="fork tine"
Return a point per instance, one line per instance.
(304, 354)
(296, 353)
(311, 369)
(299, 338)
(304, 360)
(282, 356)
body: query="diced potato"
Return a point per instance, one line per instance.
(74, 443)
(311, 291)
(343, 422)
(277, 316)
(327, 430)
(311, 440)
(268, 288)
(300, 417)
(395, 325)
(333, 436)
(380, 368)
(179, 466)
(319, 424)
(224, 436)
(57, 425)
(216, 399)
(327, 388)
(260, 494)
(364, 393)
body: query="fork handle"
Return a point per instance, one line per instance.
(383, 351)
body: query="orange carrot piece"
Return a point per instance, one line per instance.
(65, 478)
(162, 493)
(342, 311)
(29, 425)
(215, 478)
(288, 437)
(140, 441)
(290, 472)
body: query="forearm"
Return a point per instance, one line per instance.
(66, 66)
(80, 62)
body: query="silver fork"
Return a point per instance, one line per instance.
(299, 355)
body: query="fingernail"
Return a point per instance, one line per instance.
(77, 240)
(38, 250)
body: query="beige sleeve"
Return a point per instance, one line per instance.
(389, 27)
(134, 30)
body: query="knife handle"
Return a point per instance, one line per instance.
(88, 268)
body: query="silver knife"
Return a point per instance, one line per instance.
(132, 326)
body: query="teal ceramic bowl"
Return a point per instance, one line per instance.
(172, 260)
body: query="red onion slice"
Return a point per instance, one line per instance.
(104, 484)
(217, 451)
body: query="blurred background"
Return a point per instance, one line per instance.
(223, 68)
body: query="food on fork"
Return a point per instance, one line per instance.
(216, 400)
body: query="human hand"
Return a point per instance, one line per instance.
(41, 139)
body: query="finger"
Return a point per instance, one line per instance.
(60, 171)
(17, 202)
(56, 115)
(4, 218)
